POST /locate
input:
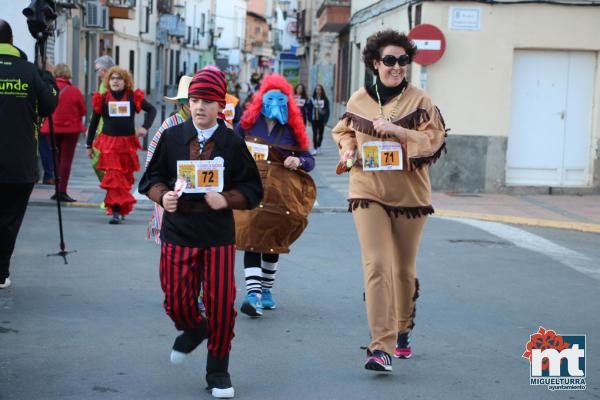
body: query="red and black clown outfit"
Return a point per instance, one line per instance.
(197, 242)
(118, 145)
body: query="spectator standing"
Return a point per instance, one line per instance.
(26, 94)
(67, 127)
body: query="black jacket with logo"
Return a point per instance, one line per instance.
(24, 97)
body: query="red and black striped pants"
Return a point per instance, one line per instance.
(182, 271)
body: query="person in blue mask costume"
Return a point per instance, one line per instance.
(274, 131)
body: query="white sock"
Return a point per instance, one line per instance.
(253, 280)
(269, 270)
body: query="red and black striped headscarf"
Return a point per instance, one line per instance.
(209, 84)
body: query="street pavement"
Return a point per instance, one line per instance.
(95, 328)
(493, 269)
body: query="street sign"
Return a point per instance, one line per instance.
(430, 43)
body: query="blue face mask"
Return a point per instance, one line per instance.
(274, 106)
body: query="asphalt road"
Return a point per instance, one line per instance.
(95, 328)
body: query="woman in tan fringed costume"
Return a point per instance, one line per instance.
(394, 132)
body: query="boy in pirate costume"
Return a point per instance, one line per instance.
(274, 121)
(198, 233)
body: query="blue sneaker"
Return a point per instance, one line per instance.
(267, 300)
(252, 306)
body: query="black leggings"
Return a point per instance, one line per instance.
(253, 259)
(13, 204)
(317, 128)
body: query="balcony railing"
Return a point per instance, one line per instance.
(174, 25)
(333, 15)
(123, 9)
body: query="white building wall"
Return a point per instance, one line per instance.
(479, 64)
(231, 17)
(131, 35)
(472, 82)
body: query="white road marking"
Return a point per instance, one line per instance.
(530, 241)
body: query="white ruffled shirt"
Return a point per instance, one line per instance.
(205, 134)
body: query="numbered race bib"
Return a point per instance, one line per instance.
(119, 108)
(259, 151)
(201, 176)
(300, 101)
(382, 156)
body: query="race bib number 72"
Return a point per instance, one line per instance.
(201, 176)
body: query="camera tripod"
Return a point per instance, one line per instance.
(40, 19)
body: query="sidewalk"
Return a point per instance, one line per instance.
(580, 213)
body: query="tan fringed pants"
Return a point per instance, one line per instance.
(389, 248)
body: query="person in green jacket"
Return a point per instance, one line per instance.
(26, 94)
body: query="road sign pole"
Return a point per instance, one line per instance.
(424, 77)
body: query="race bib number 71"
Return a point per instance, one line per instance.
(382, 156)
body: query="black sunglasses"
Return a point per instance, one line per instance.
(390, 60)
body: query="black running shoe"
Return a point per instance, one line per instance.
(219, 384)
(378, 361)
(186, 343)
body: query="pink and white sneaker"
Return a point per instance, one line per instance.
(403, 349)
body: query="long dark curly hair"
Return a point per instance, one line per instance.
(381, 39)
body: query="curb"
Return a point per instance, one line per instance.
(82, 204)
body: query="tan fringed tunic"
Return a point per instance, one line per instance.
(406, 192)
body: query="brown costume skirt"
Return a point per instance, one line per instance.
(282, 216)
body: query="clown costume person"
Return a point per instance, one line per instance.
(273, 128)
(199, 173)
(118, 144)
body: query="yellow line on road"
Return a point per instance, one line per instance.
(82, 204)
(507, 219)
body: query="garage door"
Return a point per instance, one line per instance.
(549, 142)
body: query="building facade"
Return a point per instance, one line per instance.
(518, 86)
